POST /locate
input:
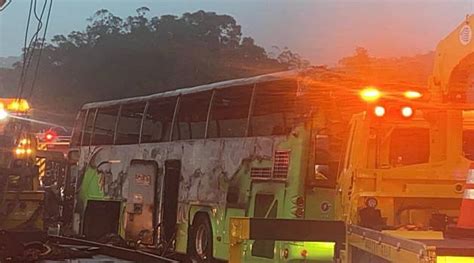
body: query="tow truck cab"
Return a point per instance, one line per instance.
(396, 174)
(20, 197)
(402, 179)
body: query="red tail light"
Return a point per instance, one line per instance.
(50, 136)
(298, 209)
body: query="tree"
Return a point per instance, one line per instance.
(401, 72)
(360, 63)
(292, 59)
(115, 57)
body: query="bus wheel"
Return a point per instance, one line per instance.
(201, 239)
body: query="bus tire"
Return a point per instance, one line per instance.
(201, 239)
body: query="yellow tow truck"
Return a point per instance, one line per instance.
(406, 178)
(403, 177)
(21, 199)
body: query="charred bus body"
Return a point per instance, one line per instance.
(172, 168)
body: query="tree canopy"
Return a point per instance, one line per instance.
(413, 71)
(116, 57)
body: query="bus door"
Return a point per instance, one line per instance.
(140, 206)
(267, 202)
(169, 200)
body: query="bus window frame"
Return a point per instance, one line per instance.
(174, 122)
(209, 109)
(145, 111)
(85, 125)
(148, 105)
(175, 115)
(250, 132)
(81, 129)
(97, 110)
(118, 123)
(249, 112)
(251, 107)
(176, 125)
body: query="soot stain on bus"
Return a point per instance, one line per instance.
(206, 171)
(171, 172)
(205, 179)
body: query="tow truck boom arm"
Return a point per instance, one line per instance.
(453, 63)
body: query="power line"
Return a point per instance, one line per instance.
(25, 49)
(41, 49)
(30, 50)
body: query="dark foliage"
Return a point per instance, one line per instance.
(115, 58)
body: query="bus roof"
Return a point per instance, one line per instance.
(217, 85)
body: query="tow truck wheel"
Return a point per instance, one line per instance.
(201, 240)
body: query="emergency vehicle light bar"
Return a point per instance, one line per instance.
(14, 105)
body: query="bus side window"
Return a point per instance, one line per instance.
(274, 108)
(78, 126)
(192, 116)
(128, 131)
(158, 119)
(229, 113)
(88, 127)
(104, 128)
